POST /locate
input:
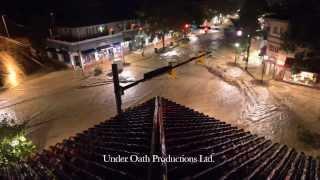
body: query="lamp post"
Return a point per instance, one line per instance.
(52, 25)
(239, 33)
(248, 52)
(265, 57)
(236, 45)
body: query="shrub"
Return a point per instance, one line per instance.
(14, 146)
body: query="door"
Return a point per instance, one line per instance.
(77, 61)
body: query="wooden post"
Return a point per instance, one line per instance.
(117, 88)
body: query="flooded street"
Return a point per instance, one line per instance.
(63, 103)
(12, 72)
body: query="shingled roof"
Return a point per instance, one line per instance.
(166, 129)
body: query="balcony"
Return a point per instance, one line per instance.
(86, 44)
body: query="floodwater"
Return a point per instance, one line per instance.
(12, 73)
(61, 104)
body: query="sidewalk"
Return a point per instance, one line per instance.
(131, 56)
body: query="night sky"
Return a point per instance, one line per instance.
(69, 10)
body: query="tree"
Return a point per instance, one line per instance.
(303, 31)
(163, 16)
(224, 6)
(249, 14)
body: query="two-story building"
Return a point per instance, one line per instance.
(279, 63)
(276, 26)
(80, 46)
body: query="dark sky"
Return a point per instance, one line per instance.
(24, 10)
(74, 11)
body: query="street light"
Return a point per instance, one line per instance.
(248, 51)
(239, 33)
(237, 45)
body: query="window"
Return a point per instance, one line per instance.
(128, 26)
(273, 49)
(111, 31)
(275, 30)
(88, 31)
(100, 29)
(282, 30)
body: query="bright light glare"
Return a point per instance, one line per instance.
(237, 45)
(101, 29)
(239, 33)
(193, 38)
(13, 72)
(12, 76)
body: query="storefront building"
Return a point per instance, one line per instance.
(279, 63)
(80, 47)
(275, 62)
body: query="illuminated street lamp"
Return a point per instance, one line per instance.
(239, 33)
(237, 45)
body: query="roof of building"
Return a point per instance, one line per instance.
(282, 17)
(169, 130)
(90, 20)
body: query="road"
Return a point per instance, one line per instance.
(60, 104)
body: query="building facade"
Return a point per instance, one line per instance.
(79, 47)
(276, 56)
(279, 63)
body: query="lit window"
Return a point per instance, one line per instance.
(101, 29)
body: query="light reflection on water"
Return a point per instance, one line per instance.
(13, 73)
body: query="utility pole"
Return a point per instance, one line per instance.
(262, 73)
(248, 52)
(117, 87)
(235, 59)
(52, 25)
(5, 26)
